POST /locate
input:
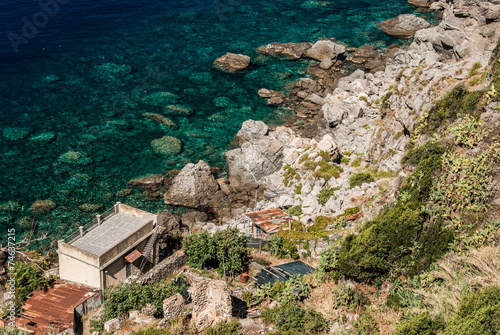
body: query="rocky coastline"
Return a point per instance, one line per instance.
(345, 124)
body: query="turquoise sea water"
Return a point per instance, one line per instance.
(82, 83)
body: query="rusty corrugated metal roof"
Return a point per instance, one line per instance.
(270, 220)
(54, 309)
(134, 255)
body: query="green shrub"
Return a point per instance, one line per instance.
(349, 298)
(226, 250)
(360, 178)
(476, 66)
(417, 155)
(328, 259)
(28, 278)
(224, 327)
(231, 251)
(289, 175)
(327, 171)
(344, 160)
(133, 296)
(200, 248)
(294, 318)
(356, 162)
(295, 210)
(478, 314)
(458, 101)
(326, 193)
(366, 325)
(351, 211)
(422, 324)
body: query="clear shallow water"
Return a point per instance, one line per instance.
(152, 46)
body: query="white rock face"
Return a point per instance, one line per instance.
(324, 50)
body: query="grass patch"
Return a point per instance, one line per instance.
(360, 178)
(328, 170)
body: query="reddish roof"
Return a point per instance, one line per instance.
(134, 255)
(270, 220)
(54, 308)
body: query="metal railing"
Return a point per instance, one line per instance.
(89, 225)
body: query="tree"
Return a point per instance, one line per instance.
(231, 251)
(200, 249)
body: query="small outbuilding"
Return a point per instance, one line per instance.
(268, 222)
(118, 244)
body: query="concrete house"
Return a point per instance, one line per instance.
(118, 244)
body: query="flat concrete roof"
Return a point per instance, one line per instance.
(112, 231)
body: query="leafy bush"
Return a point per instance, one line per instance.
(366, 325)
(351, 211)
(360, 178)
(200, 249)
(29, 278)
(478, 314)
(417, 155)
(356, 162)
(294, 318)
(295, 210)
(458, 101)
(326, 193)
(328, 259)
(133, 296)
(396, 240)
(422, 324)
(224, 327)
(327, 171)
(226, 250)
(232, 252)
(349, 298)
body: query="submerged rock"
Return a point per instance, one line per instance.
(153, 182)
(15, 134)
(232, 62)
(163, 120)
(160, 99)
(403, 26)
(43, 138)
(287, 50)
(112, 69)
(74, 157)
(167, 145)
(90, 207)
(178, 110)
(11, 206)
(43, 206)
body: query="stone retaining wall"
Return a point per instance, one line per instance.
(164, 268)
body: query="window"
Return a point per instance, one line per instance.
(128, 270)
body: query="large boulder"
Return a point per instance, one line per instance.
(152, 182)
(324, 50)
(287, 50)
(403, 26)
(169, 221)
(250, 130)
(232, 62)
(420, 3)
(193, 187)
(255, 160)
